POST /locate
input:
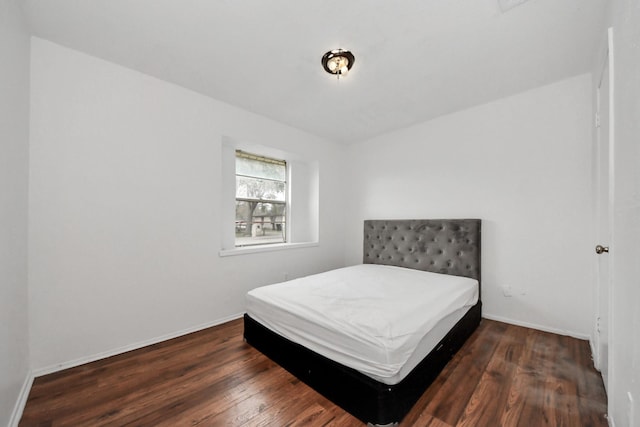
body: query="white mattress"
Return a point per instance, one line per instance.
(373, 318)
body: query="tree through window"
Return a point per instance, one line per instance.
(261, 204)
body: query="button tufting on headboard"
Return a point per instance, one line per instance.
(449, 246)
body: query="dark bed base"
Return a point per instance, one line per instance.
(365, 398)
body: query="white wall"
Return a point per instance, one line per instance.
(625, 250)
(14, 140)
(522, 164)
(125, 208)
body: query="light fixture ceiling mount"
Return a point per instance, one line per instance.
(338, 62)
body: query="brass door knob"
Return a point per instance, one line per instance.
(600, 249)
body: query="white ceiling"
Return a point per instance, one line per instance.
(415, 59)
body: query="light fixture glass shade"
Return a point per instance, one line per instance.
(338, 62)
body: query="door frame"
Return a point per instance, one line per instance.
(607, 59)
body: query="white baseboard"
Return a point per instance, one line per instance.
(22, 400)
(103, 355)
(578, 335)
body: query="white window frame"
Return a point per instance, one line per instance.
(302, 199)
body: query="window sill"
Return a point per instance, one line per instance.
(266, 248)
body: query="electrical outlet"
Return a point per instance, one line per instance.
(286, 276)
(506, 291)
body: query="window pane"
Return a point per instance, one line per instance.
(253, 188)
(261, 169)
(260, 199)
(259, 223)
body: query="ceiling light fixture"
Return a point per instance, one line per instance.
(338, 62)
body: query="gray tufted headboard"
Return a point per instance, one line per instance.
(449, 246)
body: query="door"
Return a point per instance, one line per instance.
(604, 213)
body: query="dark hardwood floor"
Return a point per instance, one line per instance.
(503, 376)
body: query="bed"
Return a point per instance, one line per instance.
(369, 349)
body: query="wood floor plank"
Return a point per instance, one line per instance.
(561, 386)
(173, 382)
(496, 381)
(544, 385)
(426, 420)
(343, 420)
(522, 390)
(239, 404)
(503, 376)
(190, 400)
(461, 382)
(144, 371)
(592, 398)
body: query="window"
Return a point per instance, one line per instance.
(284, 189)
(261, 202)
